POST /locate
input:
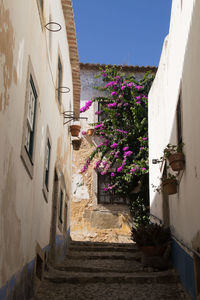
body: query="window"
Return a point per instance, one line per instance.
(30, 121)
(40, 4)
(106, 197)
(65, 220)
(61, 207)
(179, 121)
(102, 116)
(60, 73)
(47, 164)
(47, 158)
(29, 125)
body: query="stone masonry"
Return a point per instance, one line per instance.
(103, 271)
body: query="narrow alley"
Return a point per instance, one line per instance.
(103, 271)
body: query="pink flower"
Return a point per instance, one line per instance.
(99, 126)
(128, 153)
(144, 138)
(138, 87)
(86, 106)
(143, 169)
(113, 94)
(125, 148)
(98, 112)
(101, 144)
(119, 169)
(123, 87)
(105, 189)
(83, 132)
(130, 84)
(141, 148)
(138, 102)
(113, 146)
(103, 173)
(138, 97)
(116, 154)
(112, 104)
(97, 164)
(112, 174)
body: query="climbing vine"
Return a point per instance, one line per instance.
(123, 131)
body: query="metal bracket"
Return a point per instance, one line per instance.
(70, 116)
(156, 161)
(57, 26)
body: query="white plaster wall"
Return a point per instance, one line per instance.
(179, 66)
(24, 214)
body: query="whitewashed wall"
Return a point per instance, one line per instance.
(25, 216)
(178, 71)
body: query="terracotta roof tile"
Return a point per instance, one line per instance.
(93, 66)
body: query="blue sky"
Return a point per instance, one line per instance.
(121, 31)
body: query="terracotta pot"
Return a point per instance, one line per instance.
(90, 132)
(153, 250)
(75, 129)
(169, 186)
(76, 144)
(177, 161)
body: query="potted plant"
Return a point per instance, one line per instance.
(75, 129)
(76, 143)
(152, 239)
(175, 156)
(90, 131)
(169, 184)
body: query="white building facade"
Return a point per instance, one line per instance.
(39, 80)
(174, 116)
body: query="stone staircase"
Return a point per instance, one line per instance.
(101, 271)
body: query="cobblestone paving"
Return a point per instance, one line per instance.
(88, 278)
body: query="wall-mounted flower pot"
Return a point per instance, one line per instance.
(169, 186)
(75, 129)
(177, 161)
(76, 143)
(90, 131)
(153, 250)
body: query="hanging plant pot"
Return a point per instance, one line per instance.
(169, 186)
(153, 250)
(76, 143)
(177, 161)
(90, 131)
(75, 129)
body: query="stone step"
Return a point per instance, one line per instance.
(101, 244)
(94, 270)
(104, 255)
(169, 276)
(100, 266)
(103, 248)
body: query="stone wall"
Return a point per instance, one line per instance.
(89, 220)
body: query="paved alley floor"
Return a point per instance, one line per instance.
(97, 271)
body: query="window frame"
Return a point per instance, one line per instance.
(28, 158)
(48, 142)
(112, 198)
(40, 4)
(60, 212)
(59, 80)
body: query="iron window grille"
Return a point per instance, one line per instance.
(106, 197)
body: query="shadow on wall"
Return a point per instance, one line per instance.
(166, 210)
